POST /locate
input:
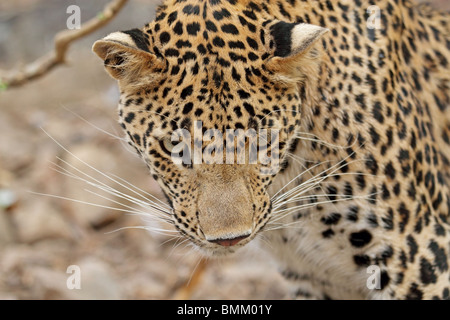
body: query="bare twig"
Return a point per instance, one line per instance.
(186, 291)
(62, 41)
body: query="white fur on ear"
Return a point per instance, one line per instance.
(101, 47)
(131, 40)
(304, 36)
(296, 54)
(127, 57)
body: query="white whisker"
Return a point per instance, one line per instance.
(143, 191)
(296, 177)
(176, 245)
(164, 232)
(89, 166)
(317, 179)
(146, 208)
(109, 189)
(288, 211)
(84, 202)
(285, 226)
(298, 198)
(94, 126)
(139, 212)
(105, 187)
(318, 140)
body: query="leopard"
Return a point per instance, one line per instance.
(357, 92)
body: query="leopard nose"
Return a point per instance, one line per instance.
(229, 241)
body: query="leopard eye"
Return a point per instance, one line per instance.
(173, 147)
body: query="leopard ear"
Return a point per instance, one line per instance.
(296, 51)
(127, 57)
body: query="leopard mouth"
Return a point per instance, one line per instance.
(219, 238)
(231, 241)
(226, 246)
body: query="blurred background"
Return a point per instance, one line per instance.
(41, 236)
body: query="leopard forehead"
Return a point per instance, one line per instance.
(213, 60)
(214, 71)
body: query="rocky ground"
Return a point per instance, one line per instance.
(64, 122)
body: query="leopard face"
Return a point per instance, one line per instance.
(199, 69)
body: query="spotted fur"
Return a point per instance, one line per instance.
(368, 108)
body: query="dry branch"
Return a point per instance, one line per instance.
(62, 41)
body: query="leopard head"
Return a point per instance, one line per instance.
(199, 86)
